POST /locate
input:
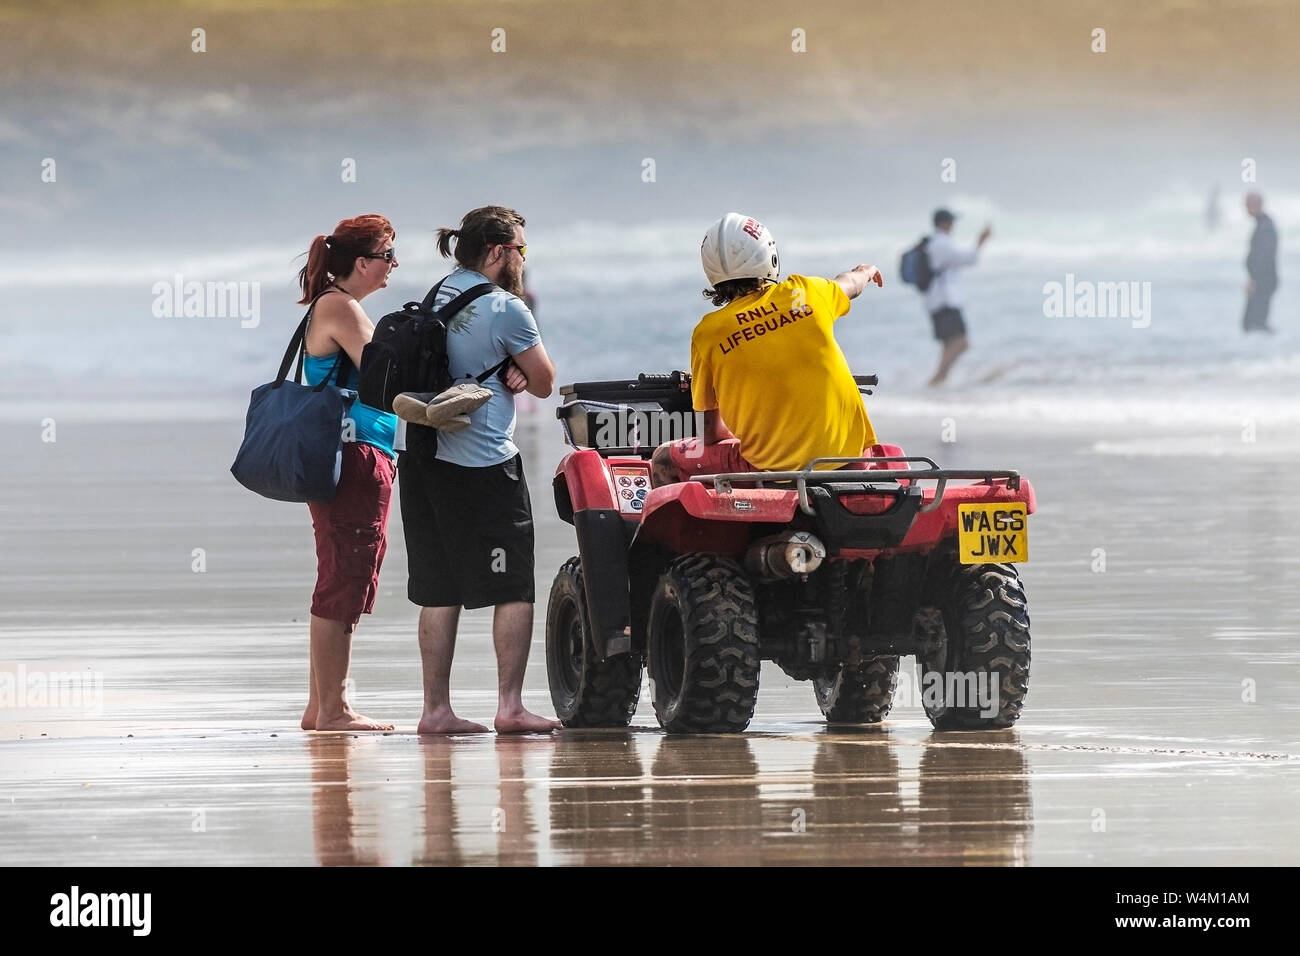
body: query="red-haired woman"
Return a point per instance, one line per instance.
(351, 530)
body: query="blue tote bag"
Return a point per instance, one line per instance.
(293, 436)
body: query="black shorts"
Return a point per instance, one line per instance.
(948, 323)
(469, 533)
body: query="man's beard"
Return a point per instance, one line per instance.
(512, 280)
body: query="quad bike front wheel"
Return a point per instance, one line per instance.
(858, 693)
(586, 691)
(976, 647)
(703, 646)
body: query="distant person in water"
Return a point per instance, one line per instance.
(351, 528)
(943, 299)
(529, 297)
(1261, 266)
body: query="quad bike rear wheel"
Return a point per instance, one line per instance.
(858, 693)
(984, 631)
(586, 691)
(703, 646)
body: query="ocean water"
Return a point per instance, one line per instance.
(616, 298)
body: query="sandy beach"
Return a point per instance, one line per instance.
(1162, 724)
(154, 640)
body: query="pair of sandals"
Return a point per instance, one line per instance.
(447, 411)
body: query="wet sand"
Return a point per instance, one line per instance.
(1162, 724)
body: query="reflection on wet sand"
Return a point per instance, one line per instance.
(511, 818)
(712, 800)
(856, 808)
(843, 798)
(975, 807)
(440, 847)
(334, 827)
(703, 803)
(597, 800)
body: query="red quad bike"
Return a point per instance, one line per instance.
(833, 573)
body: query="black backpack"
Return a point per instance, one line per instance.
(408, 352)
(914, 268)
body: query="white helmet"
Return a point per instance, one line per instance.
(737, 247)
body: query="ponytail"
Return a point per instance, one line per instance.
(313, 278)
(445, 236)
(481, 229)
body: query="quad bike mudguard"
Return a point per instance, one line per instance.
(585, 497)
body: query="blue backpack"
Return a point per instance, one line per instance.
(914, 267)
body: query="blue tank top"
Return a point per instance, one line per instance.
(373, 427)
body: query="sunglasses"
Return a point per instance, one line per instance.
(523, 250)
(388, 255)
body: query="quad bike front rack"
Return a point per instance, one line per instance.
(723, 483)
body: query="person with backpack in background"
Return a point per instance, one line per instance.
(351, 529)
(466, 511)
(934, 266)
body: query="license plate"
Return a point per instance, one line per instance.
(993, 534)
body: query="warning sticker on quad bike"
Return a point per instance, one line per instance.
(992, 534)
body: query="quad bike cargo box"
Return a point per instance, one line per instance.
(628, 415)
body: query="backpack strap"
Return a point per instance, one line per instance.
(492, 371)
(454, 306)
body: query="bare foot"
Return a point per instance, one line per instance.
(445, 722)
(309, 717)
(522, 722)
(350, 720)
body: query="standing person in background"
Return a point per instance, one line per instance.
(1261, 266)
(943, 298)
(351, 529)
(466, 511)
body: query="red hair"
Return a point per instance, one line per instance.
(334, 256)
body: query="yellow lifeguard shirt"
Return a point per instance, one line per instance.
(770, 364)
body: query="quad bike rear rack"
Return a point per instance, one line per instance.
(886, 479)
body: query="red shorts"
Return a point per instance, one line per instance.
(351, 535)
(692, 458)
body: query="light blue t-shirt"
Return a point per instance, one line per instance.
(478, 337)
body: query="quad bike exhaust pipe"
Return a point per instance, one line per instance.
(789, 554)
